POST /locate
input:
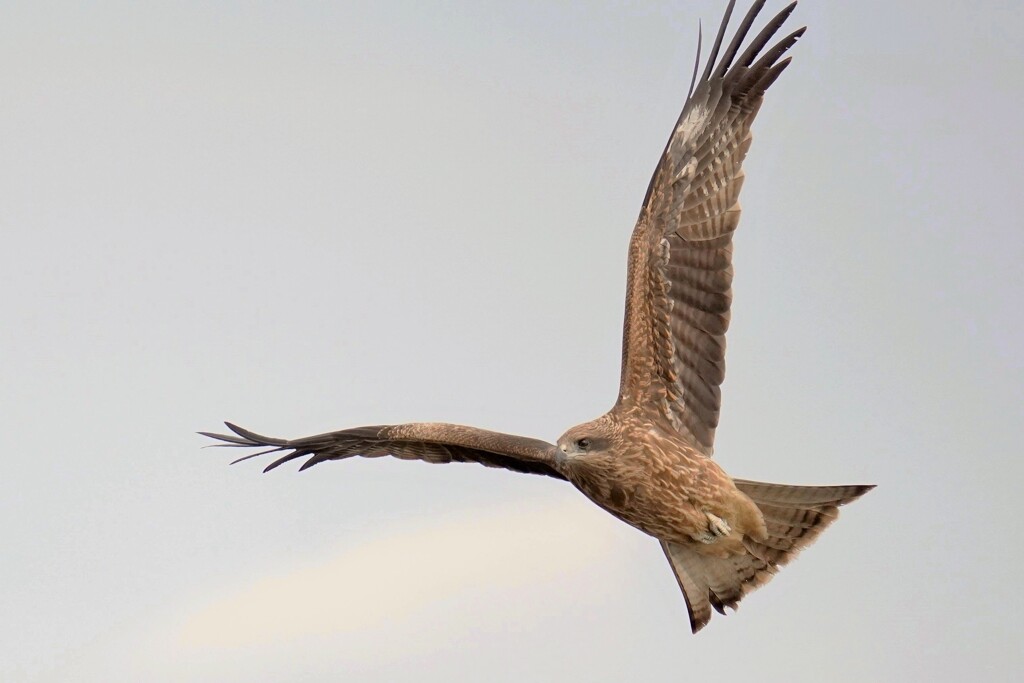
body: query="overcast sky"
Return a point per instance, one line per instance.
(307, 216)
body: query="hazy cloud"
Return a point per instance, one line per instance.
(387, 580)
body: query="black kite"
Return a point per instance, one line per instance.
(648, 460)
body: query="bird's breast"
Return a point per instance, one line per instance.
(664, 497)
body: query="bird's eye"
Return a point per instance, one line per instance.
(583, 444)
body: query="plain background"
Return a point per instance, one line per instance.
(306, 216)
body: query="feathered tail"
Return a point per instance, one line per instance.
(794, 515)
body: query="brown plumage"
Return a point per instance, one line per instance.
(648, 460)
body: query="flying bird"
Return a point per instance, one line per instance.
(648, 460)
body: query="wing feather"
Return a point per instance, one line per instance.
(431, 442)
(679, 290)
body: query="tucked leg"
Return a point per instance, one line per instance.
(717, 528)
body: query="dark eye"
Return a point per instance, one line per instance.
(583, 444)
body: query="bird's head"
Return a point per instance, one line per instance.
(589, 438)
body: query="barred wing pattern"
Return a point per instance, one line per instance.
(680, 260)
(433, 442)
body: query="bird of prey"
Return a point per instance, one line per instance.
(648, 460)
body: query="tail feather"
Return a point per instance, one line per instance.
(794, 517)
(800, 496)
(799, 517)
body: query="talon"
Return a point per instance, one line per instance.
(717, 526)
(707, 538)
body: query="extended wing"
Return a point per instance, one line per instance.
(428, 441)
(679, 287)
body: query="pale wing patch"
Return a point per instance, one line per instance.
(690, 127)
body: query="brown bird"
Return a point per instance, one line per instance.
(648, 460)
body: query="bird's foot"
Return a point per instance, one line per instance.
(717, 528)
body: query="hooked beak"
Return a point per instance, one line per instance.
(564, 454)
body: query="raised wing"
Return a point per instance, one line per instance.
(428, 441)
(679, 287)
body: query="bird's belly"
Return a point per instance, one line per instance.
(672, 518)
(668, 502)
(669, 514)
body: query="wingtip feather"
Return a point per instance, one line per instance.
(253, 455)
(713, 55)
(309, 463)
(765, 36)
(737, 40)
(228, 439)
(257, 439)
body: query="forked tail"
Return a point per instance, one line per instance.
(794, 516)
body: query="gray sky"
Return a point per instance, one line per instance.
(305, 216)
